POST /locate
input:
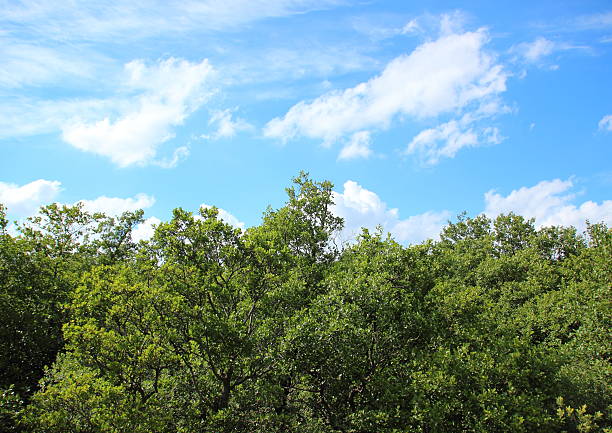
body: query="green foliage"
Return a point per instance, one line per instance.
(39, 270)
(11, 407)
(497, 327)
(579, 419)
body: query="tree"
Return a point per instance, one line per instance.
(497, 327)
(192, 324)
(39, 270)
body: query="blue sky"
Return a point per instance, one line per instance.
(416, 111)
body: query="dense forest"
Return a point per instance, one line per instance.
(497, 326)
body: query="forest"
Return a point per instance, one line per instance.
(497, 326)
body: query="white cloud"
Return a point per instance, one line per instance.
(226, 126)
(446, 23)
(410, 27)
(145, 230)
(120, 20)
(534, 51)
(491, 135)
(26, 199)
(605, 124)
(595, 21)
(31, 64)
(446, 139)
(418, 228)
(167, 93)
(114, 206)
(226, 216)
(363, 208)
(24, 116)
(438, 77)
(179, 154)
(550, 203)
(307, 60)
(452, 22)
(357, 147)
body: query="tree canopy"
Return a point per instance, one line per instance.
(496, 326)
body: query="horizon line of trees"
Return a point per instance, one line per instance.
(497, 326)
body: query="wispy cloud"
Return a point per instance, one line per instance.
(605, 124)
(29, 116)
(26, 63)
(539, 50)
(446, 139)
(534, 51)
(596, 21)
(95, 21)
(180, 153)
(300, 60)
(385, 25)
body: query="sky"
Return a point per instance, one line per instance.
(415, 111)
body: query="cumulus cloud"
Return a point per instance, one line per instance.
(145, 230)
(438, 77)
(363, 208)
(26, 199)
(226, 126)
(166, 93)
(550, 203)
(605, 124)
(114, 206)
(357, 147)
(417, 228)
(226, 216)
